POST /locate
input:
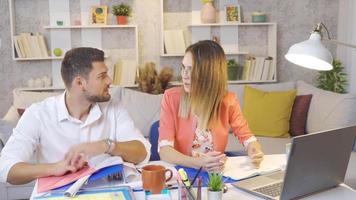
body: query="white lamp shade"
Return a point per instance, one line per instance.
(310, 54)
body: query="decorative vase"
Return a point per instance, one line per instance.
(122, 20)
(208, 13)
(215, 195)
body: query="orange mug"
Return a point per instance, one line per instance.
(154, 178)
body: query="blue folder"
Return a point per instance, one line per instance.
(102, 173)
(191, 172)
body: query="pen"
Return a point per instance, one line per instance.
(196, 175)
(186, 183)
(199, 188)
(183, 175)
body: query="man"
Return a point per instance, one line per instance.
(62, 132)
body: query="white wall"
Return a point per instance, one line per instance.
(347, 33)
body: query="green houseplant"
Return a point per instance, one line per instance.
(121, 11)
(233, 70)
(334, 80)
(215, 186)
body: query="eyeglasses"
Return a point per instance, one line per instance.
(185, 69)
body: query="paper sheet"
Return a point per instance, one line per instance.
(240, 167)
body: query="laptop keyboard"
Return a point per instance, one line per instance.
(272, 190)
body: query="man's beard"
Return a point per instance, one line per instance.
(96, 98)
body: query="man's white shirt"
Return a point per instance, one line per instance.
(46, 132)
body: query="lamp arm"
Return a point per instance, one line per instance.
(318, 29)
(342, 43)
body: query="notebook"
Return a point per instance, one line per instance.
(117, 193)
(240, 167)
(95, 164)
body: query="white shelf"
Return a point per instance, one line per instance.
(234, 24)
(249, 82)
(172, 55)
(91, 26)
(47, 58)
(29, 59)
(227, 53)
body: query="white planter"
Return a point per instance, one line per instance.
(215, 195)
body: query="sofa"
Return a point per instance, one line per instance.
(327, 110)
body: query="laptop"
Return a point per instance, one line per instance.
(316, 162)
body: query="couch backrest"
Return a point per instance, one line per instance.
(328, 110)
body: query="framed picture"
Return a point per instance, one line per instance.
(233, 13)
(99, 15)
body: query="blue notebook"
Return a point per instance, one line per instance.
(102, 173)
(115, 193)
(204, 174)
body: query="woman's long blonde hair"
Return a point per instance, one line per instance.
(208, 84)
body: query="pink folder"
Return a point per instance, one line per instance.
(48, 183)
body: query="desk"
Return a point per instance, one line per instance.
(342, 192)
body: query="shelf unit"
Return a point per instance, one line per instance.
(61, 36)
(228, 32)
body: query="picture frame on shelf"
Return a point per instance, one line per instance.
(233, 13)
(98, 15)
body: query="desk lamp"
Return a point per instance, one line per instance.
(312, 53)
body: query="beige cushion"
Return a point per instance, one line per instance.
(143, 108)
(12, 115)
(328, 110)
(23, 99)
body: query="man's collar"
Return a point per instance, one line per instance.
(63, 114)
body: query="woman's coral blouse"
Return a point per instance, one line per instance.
(180, 132)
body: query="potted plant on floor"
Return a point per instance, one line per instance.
(334, 80)
(215, 186)
(121, 11)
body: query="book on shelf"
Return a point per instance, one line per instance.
(258, 68)
(18, 49)
(174, 42)
(28, 45)
(125, 72)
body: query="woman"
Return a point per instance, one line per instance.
(196, 118)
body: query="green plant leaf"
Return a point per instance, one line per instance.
(334, 80)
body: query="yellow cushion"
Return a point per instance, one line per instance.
(268, 113)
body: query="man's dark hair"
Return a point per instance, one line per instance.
(78, 62)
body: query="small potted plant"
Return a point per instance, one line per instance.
(233, 70)
(215, 186)
(121, 11)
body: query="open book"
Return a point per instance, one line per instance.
(240, 167)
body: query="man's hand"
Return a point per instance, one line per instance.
(79, 154)
(62, 167)
(213, 161)
(255, 153)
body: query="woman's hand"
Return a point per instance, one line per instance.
(255, 153)
(213, 161)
